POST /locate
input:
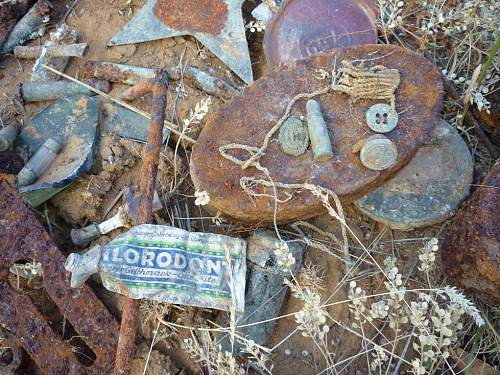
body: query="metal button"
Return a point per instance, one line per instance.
(293, 137)
(378, 153)
(381, 118)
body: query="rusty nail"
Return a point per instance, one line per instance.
(126, 341)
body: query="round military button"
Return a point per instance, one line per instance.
(378, 153)
(381, 118)
(293, 137)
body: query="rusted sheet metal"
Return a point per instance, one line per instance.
(471, 250)
(24, 238)
(218, 24)
(11, 353)
(248, 118)
(147, 186)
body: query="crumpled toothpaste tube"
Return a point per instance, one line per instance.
(168, 264)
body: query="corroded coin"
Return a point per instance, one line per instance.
(293, 137)
(381, 118)
(378, 153)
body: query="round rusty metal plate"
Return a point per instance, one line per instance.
(249, 116)
(304, 28)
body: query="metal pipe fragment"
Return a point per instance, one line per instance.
(318, 132)
(7, 137)
(208, 83)
(53, 90)
(130, 312)
(120, 73)
(59, 50)
(26, 26)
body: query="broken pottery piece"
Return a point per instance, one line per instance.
(73, 121)
(125, 123)
(418, 99)
(302, 28)
(471, 251)
(429, 189)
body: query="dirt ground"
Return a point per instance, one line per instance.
(92, 197)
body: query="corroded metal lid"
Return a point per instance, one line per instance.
(306, 27)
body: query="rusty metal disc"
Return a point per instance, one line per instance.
(249, 117)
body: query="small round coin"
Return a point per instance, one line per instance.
(381, 118)
(378, 153)
(293, 137)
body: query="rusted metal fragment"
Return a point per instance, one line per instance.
(23, 237)
(11, 353)
(217, 24)
(471, 250)
(10, 13)
(147, 186)
(418, 101)
(303, 28)
(207, 16)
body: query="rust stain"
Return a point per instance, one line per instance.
(23, 237)
(204, 16)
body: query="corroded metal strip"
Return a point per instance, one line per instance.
(126, 343)
(23, 237)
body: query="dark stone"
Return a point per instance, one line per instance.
(429, 189)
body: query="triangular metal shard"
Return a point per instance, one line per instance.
(217, 24)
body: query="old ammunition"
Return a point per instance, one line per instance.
(26, 26)
(39, 162)
(7, 137)
(53, 90)
(318, 132)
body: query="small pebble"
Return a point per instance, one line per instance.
(288, 352)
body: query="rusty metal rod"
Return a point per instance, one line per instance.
(126, 342)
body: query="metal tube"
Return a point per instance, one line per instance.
(62, 50)
(126, 341)
(26, 25)
(53, 90)
(318, 132)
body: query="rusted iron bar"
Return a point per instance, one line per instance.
(23, 237)
(130, 312)
(138, 90)
(61, 50)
